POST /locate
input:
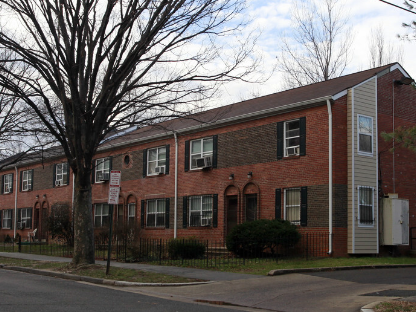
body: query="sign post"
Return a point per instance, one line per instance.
(113, 194)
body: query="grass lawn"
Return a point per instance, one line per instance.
(98, 271)
(263, 266)
(396, 306)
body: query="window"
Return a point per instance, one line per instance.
(61, 174)
(7, 219)
(26, 180)
(132, 213)
(365, 205)
(292, 205)
(156, 160)
(102, 169)
(200, 210)
(292, 138)
(8, 183)
(155, 212)
(101, 215)
(365, 134)
(25, 218)
(120, 214)
(199, 149)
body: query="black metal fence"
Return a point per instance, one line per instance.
(189, 252)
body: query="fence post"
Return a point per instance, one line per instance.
(20, 244)
(160, 251)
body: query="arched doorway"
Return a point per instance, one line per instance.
(251, 200)
(231, 205)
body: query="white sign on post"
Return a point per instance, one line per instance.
(114, 189)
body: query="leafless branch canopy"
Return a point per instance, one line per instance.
(85, 68)
(318, 48)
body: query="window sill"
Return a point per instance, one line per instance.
(291, 157)
(152, 228)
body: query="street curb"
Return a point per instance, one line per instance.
(344, 268)
(93, 280)
(370, 307)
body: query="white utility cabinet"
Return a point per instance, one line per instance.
(395, 227)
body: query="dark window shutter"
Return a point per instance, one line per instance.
(32, 174)
(12, 213)
(302, 130)
(280, 138)
(67, 173)
(21, 181)
(11, 188)
(215, 210)
(278, 204)
(31, 217)
(185, 212)
(2, 185)
(144, 163)
(215, 151)
(167, 159)
(54, 176)
(187, 150)
(94, 164)
(167, 208)
(303, 206)
(19, 214)
(110, 159)
(1, 215)
(142, 214)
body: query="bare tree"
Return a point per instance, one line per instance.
(318, 47)
(96, 66)
(383, 52)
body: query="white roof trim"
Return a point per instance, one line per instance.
(339, 95)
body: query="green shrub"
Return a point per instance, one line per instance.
(8, 239)
(256, 237)
(186, 248)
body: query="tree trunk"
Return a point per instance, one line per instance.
(83, 223)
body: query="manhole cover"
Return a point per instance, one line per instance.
(393, 293)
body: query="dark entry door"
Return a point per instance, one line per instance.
(232, 212)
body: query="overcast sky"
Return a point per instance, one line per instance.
(273, 18)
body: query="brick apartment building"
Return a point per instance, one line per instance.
(312, 155)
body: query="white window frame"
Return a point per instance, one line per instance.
(156, 212)
(359, 204)
(205, 215)
(61, 173)
(156, 161)
(7, 183)
(201, 153)
(101, 165)
(293, 206)
(7, 217)
(99, 213)
(24, 217)
(286, 146)
(131, 213)
(366, 134)
(26, 180)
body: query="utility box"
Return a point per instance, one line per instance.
(395, 226)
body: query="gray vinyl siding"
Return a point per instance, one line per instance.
(362, 168)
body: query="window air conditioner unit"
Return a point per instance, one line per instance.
(58, 183)
(204, 162)
(293, 151)
(160, 169)
(102, 176)
(21, 225)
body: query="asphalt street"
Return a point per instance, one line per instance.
(34, 293)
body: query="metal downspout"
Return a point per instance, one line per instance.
(175, 226)
(15, 204)
(330, 175)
